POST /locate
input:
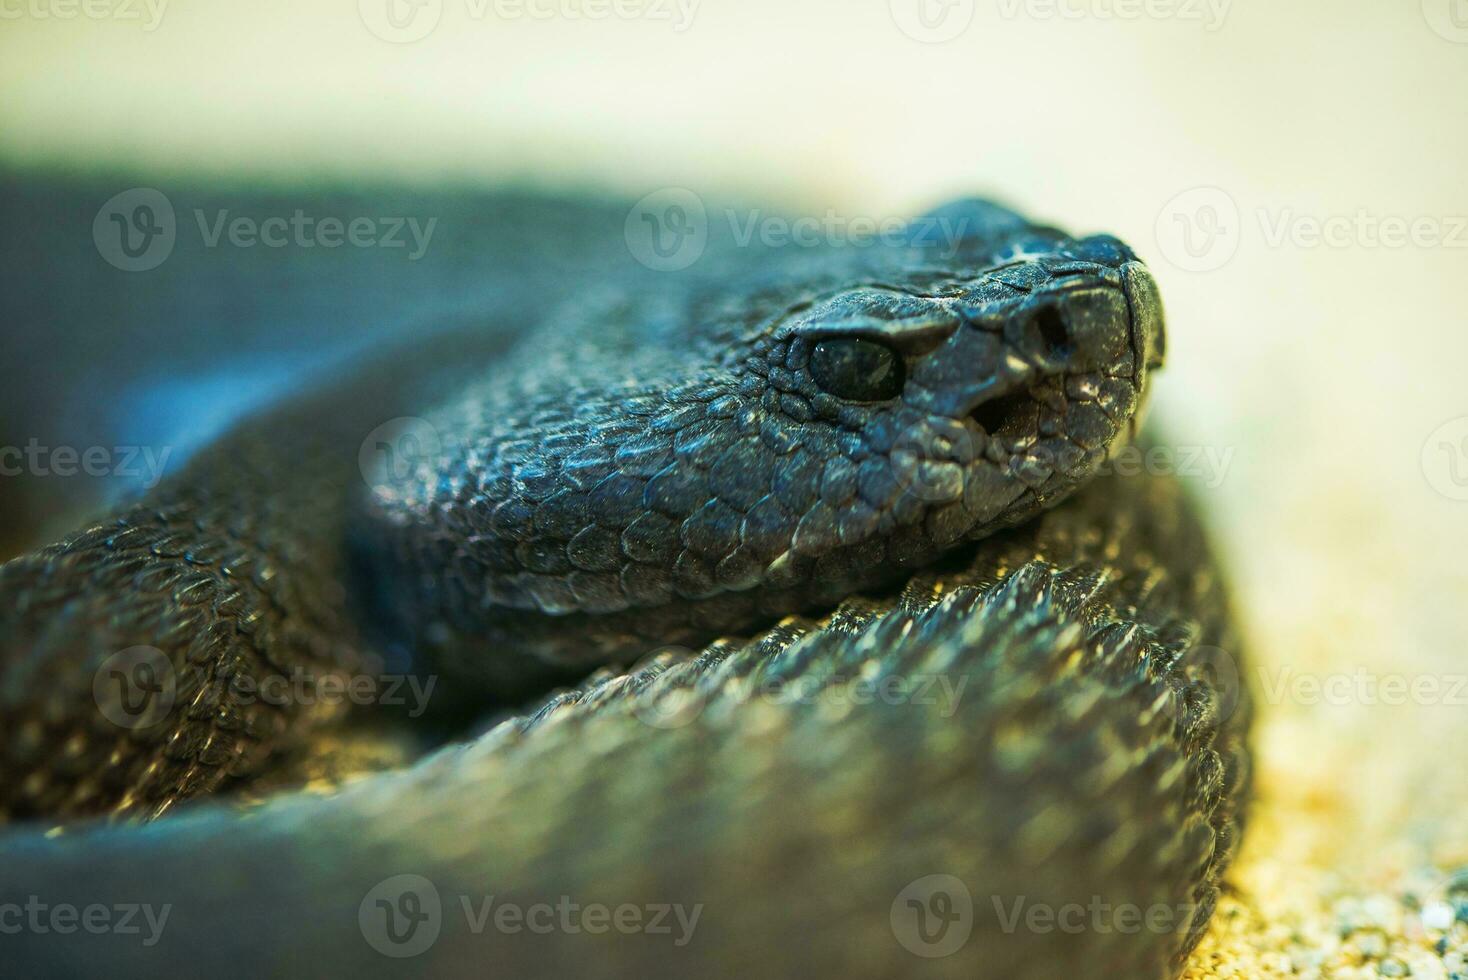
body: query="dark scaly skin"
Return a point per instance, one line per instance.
(572, 518)
(1081, 761)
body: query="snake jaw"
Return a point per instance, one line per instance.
(1041, 377)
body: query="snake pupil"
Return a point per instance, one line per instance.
(858, 370)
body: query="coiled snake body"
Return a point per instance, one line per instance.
(888, 695)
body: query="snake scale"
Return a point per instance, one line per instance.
(806, 632)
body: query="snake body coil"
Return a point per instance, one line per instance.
(930, 698)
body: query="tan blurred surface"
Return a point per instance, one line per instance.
(1318, 374)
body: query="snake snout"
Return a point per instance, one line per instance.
(1075, 326)
(1144, 303)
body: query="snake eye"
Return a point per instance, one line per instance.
(857, 370)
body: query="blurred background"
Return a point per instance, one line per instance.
(1294, 172)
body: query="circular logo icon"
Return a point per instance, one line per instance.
(664, 706)
(1218, 671)
(135, 230)
(400, 21)
(933, 916)
(135, 688)
(932, 463)
(401, 916)
(932, 21)
(399, 453)
(1448, 19)
(1445, 459)
(668, 229)
(1199, 230)
(669, 709)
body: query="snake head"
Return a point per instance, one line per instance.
(702, 458)
(969, 408)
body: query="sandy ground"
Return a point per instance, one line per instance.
(1293, 171)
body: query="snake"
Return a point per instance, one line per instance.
(785, 613)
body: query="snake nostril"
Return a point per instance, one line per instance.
(994, 415)
(1053, 331)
